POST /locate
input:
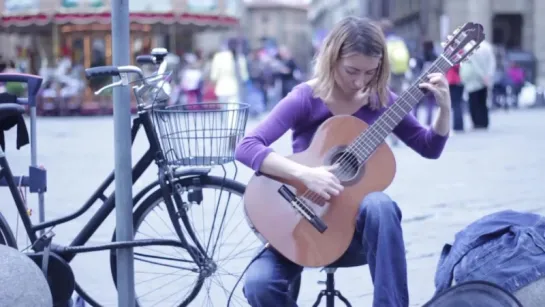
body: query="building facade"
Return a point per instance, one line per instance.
(510, 25)
(323, 14)
(513, 25)
(283, 21)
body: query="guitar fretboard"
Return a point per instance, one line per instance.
(367, 142)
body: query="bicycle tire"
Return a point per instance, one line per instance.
(154, 197)
(295, 286)
(6, 234)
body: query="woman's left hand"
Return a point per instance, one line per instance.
(438, 85)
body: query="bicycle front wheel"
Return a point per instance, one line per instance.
(211, 213)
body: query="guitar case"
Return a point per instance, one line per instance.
(474, 294)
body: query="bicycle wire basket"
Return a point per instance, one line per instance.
(201, 134)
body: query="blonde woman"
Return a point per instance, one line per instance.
(229, 72)
(224, 73)
(351, 78)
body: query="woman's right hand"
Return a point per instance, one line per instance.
(322, 181)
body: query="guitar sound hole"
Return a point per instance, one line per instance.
(349, 165)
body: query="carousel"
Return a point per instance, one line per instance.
(58, 39)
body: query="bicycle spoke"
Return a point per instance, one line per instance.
(222, 231)
(221, 224)
(157, 288)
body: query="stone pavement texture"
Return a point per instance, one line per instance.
(479, 173)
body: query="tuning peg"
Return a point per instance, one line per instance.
(443, 44)
(456, 31)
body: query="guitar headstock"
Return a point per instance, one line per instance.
(463, 42)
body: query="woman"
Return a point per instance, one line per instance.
(456, 94)
(477, 75)
(428, 57)
(351, 76)
(192, 79)
(228, 77)
(289, 71)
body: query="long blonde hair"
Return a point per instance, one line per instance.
(352, 35)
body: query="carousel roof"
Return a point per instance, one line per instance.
(21, 13)
(41, 19)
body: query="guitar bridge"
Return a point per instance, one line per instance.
(302, 208)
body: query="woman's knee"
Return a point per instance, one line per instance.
(267, 275)
(379, 204)
(257, 279)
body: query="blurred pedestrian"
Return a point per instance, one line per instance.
(399, 57)
(428, 57)
(192, 79)
(229, 73)
(456, 96)
(477, 75)
(516, 79)
(289, 74)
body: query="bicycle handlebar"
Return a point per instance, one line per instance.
(157, 57)
(146, 59)
(112, 71)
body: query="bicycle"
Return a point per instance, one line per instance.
(203, 144)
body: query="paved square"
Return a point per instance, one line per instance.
(479, 173)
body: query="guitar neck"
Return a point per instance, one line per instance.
(366, 143)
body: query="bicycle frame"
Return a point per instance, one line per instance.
(165, 183)
(108, 202)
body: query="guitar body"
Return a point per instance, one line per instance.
(287, 231)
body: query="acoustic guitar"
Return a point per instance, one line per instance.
(304, 227)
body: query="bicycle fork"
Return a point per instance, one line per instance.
(175, 208)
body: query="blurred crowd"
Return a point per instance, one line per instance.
(260, 77)
(487, 81)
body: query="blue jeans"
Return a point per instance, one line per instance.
(378, 241)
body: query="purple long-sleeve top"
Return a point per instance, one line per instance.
(303, 114)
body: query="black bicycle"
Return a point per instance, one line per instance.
(198, 136)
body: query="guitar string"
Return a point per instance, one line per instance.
(387, 121)
(372, 131)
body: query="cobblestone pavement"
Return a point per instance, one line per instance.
(479, 173)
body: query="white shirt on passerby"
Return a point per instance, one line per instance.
(478, 72)
(191, 79)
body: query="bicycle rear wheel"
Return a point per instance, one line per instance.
(168, 276)
(6, 235)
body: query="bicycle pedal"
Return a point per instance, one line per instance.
(321, 282)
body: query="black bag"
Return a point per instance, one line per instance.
(8, 121)
(474, 294)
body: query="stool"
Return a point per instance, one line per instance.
(330, 292)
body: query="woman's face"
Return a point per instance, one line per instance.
(355, 72)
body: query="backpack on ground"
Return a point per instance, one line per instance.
(474, 294)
